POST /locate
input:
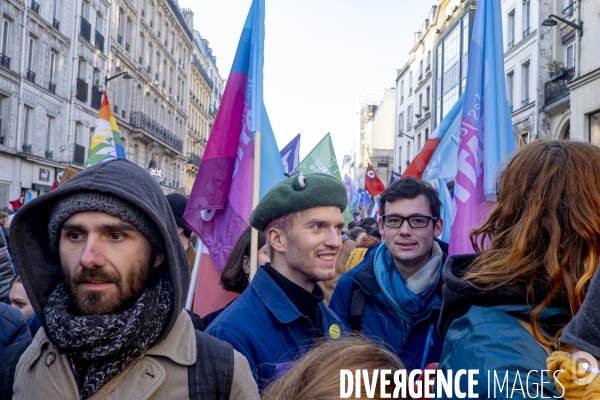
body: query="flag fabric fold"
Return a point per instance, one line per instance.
(373, 184)
(486, 135)
(221, 199)
(290, 154)
(106, 143)
(352, 193)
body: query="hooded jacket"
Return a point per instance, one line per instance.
(41, 272)
(483, 331)
(6, 271)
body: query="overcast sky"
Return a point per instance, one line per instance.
(321, 57)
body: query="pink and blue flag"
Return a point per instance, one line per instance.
(221, 199)
(290, 154)
(486, 134)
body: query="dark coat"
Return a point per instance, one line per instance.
(264, 325)
(13, 326)
(418, 344)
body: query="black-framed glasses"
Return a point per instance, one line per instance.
(415, 221)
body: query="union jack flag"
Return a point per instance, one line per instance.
(156, 172)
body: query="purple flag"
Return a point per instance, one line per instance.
(486, 135)
(290, 154)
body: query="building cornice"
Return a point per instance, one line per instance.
(585, 79)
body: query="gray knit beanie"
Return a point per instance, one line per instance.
(108, 203)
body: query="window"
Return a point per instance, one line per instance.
(121, 28)
(427, 97)
(27, 124)
(400, 123)
(420, 109)
(409, 117)
(408, 153)
(526, 18)
(570, 55)
(595, 128)
(426, 134)
(410, 83)
(49, 123)
(525, 83)
(5, 37)
(79, 134)
(401, 92)
(428, 61)
(400, 159)
(52, 76)
(509, 88)
(523, 139)
(569, 8)
(510, 39)
(30, 54)
(418, 143)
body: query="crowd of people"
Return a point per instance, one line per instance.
(95, 275)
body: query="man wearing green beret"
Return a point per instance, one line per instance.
(282, 312)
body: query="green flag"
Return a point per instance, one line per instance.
(41, 191)
(322, 160)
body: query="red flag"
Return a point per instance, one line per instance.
(373, 184)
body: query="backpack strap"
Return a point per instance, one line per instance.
(8, 365)
(211, 376)
(357, 309)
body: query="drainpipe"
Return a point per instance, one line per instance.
(21, 78)
(578, 41)
(74, 41)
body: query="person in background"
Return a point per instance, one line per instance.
(348, 246)
(317, 374)
(369, 224)
(7, 271)
(13, 329)
(178, 202)
(352, 225)
(505, 306)
(357, 235)
(281, 313)
(18, 299)
(235, 276)
(395, 293)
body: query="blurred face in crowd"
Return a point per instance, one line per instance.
(360, 238)
(18, 298)
(310, 248)
(410, 247)
(263, 258)
(106, 262)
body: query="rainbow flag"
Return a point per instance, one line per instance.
(106, 142)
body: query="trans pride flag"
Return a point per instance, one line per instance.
(221, 199)
(106, 142)
(486, 134)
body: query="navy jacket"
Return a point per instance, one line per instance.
(13, 326)
(416, 345)
(264, 325)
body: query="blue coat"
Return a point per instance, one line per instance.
(13, 326)
(418, 344)
(491, 339)
(264, 325)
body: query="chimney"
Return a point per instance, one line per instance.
(188, 17)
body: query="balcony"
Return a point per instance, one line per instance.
(158, 33)
(82, 90)
(141, 60)
(141, 120)
(143, 13)
(56, 24)
(194, 160)
(166, 42)
(85, 30)
(79, 155)
(116, 110)
(526, 32)
(556, 89)
(120, 39)
(49, 154)
(4, 61)
(35, 7)
(569, 10)
(203, 72)
(26, 148)
(511, 44)
(30, 76)
(123, 114)
(420, 78)
(99, 38)
(151, 24)
(214, 110)
(52, 87)
(96, 97)
(149, 69)
(127, 47)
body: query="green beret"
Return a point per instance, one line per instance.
(298, 193)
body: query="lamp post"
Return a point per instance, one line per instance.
(551, 21)
(125, 73)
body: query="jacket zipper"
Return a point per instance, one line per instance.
(64, 368)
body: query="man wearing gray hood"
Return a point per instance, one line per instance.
(103, 266)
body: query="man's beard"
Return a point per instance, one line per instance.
(126, 288)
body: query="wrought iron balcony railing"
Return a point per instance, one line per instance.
(141, 120)
(194, 160)
(35, 7)
(96, 97)
(85, 30)
(5, 61)
(82, 90)
(56, 24)
(52, 87)
(556, 89)
(99, 39)
(30, 76)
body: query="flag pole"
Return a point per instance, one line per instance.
(190, 297)
(255, 198)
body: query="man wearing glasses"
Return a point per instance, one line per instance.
(395, 293)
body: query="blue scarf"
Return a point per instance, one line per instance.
(408, 305)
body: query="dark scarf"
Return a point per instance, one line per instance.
(101, 346)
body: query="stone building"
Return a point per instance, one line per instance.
(37, 92)
(152, 45)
